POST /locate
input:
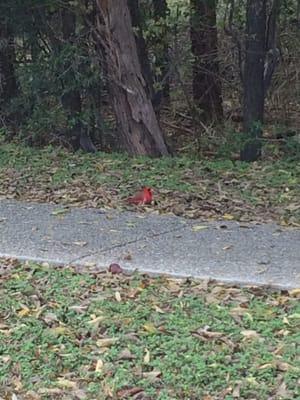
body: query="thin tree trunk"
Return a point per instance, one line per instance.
(71, 100)
(254, 94)
(8, 81)
(138, 127)
(162, 49)
(206, 81)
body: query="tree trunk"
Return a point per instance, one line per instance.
(141, 45)
(206, 80)
(71, 100)
(162, 49)
(8, 81)
(254, 94)
(138, 127)
(272, 50)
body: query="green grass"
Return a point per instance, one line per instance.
(184, 186)
(172, 339)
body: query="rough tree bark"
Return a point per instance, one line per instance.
(206, 81)
(138, 128)
(254, 93)
(135, 14)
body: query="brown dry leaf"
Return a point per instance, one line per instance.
(152, 375)
(107, 390)
(126, 355)
(282, 392)
(205, 333)
(50, 391)
(223, 394)
(240, 312)
(129, 392)
(283, 366)
(237, 391)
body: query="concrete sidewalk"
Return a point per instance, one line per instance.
(226, 251)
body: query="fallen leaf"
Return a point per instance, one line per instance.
(197, 228)
(96, 320)
(115, 268)
(207, 334)
(24, 312)
(158, 309)
(126, 355)
(152, 375)
(106, 342)
(130, 392)
(60, 211)
(250, 334)
(228, 217)
(150, 328)
(81, 244)
(147, 356)
(118, 296)
(65, 383)
(295, 292)
(99, 365)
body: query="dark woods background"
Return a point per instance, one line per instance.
(152, 77)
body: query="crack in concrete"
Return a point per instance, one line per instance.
(75, 260)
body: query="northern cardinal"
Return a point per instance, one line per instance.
(145, 196)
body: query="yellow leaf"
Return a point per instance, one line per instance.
(295, 292)
(24, 311)
(158, 309)
(285, 321)
(95, 320)
(107, 342)
(147, 356)
(60, 211)
(62, 382)
(228, 217)
(265, 366)
(99, 365)
(150, 328)
(118, 297)
(60, 331)
(250, 334)
(197, 228)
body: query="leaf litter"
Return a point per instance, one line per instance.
(65, 334)
(194, 189)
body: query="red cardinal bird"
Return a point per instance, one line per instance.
(145, 196)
